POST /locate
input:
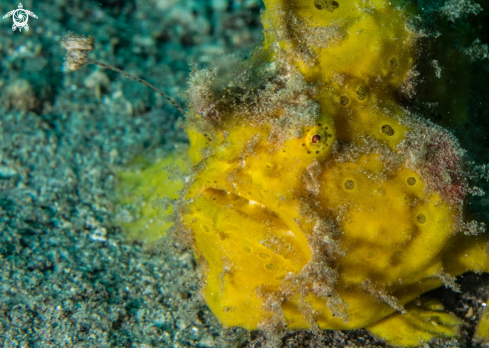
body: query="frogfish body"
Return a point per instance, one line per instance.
(316, 200)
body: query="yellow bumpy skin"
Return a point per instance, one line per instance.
(316, 200)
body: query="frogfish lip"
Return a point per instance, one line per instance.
(247, 250)
(230, 224)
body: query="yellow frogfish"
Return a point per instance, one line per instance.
(315, 200)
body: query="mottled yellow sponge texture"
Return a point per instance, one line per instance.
(316, 200)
